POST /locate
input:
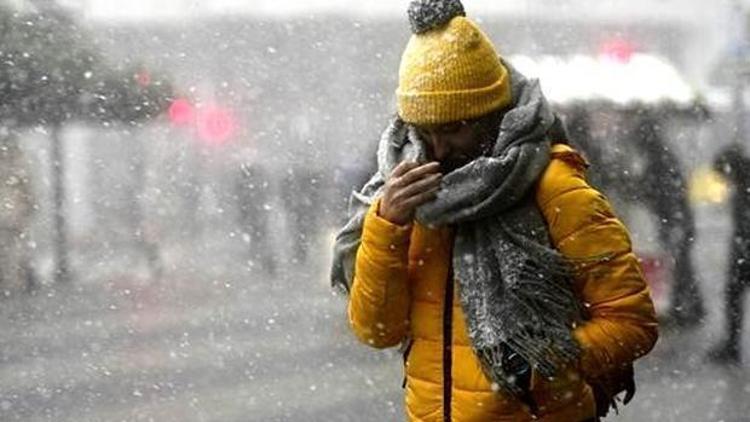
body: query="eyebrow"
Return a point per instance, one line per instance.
(444, 126)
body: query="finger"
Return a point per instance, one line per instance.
(424, 185)
(403, 167)
(418, 173)
(420, 199)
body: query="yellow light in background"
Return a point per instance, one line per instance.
(708, 186)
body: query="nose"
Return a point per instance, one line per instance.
(440, 148)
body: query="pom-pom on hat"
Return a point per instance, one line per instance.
(449, 70)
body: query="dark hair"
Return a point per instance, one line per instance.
(488, 127)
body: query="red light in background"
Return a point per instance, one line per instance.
(215, 124)
(211, 123)
(181, 112)
(618, 50)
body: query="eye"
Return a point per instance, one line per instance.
(451, 128)
(421, 133)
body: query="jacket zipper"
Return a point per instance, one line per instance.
(447, 346)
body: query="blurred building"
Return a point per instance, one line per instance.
(309, 86)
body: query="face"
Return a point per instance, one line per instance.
(454, 144)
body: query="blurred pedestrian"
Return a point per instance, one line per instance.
(16, 216)
(662, 187)
(480, 248)
(302, 187)
(734, 164)
(607, 161)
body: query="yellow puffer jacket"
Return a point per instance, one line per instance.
(400, 290)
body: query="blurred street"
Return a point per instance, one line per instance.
(214, 343)
(172, 174)
(675, 382)
(192, 348)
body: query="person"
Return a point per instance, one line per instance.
(16, 218)
(301, 186)
(253, 190)
(663, 188)
(479, 247)
(734, 164)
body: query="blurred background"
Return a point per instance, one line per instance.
(172, 174)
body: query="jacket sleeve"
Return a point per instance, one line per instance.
(621, 322)
(379, 299)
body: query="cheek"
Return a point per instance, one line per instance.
(430, 150)
(464, 143)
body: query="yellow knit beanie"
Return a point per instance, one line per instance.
(450, 70)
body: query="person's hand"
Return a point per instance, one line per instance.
(409, 186)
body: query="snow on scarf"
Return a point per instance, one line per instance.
(514, 288)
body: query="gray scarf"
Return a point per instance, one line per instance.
(514, 288)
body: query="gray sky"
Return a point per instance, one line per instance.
(712, 20)
(687, 10)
